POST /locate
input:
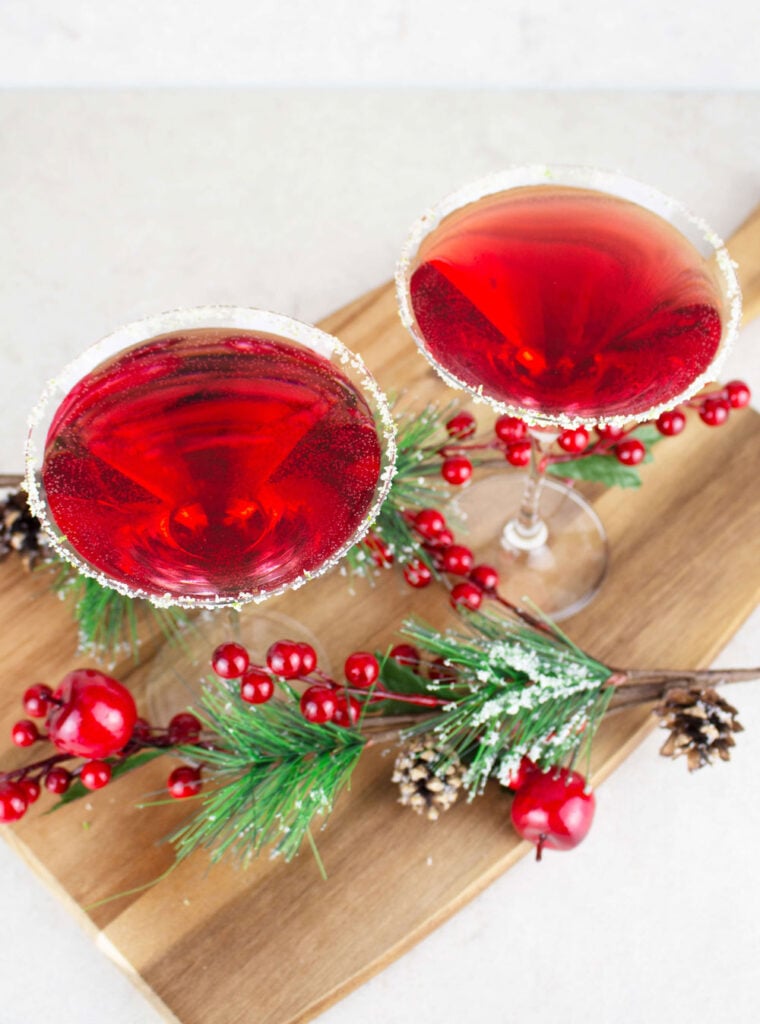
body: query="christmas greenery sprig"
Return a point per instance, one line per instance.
(528, 693)
(270, 748)
(269, 772)
(108, 622)
(441, 447)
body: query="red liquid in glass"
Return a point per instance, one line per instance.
(211, 463)
(566, 300)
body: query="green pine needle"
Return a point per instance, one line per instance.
(108, 620)
(269, 775)
(528, 695)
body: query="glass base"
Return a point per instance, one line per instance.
(180, 667)
(559, 567)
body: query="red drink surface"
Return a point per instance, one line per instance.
(211, 463)
(567, 300)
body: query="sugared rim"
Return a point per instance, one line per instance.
(576, 176)
(235, 317)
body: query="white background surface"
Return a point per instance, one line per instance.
(114, 205)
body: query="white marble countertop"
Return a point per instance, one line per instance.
(114, 205)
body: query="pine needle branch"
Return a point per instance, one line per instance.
(269, 774)
(108, 620)
(530, 695)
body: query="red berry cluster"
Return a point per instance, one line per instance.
(553, 809)
(513, 439)
(446, 556)
(324, 699)
(88, 716)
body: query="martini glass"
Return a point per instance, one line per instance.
(563, 297)
(210, 457)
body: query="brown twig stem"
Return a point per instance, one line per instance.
(643, 686)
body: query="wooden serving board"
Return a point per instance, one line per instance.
(183, 939)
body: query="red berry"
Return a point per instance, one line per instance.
(429, 523)
(573, 440)
(608, 432)
(184, 728)
(285, 659)
(95, 717)
(466, 595)
(630, 452)
(509, 428)
(671, 422)
(141, 731)
(347, 712)
(308, 658)
(95, 774)
(553, 809)
(58, 780)
(456, 470)
(714, 411)
(417, 574)
(362, 669)
(443, 540)
(738, 394)
(406, 654)
(37, 700)
(518, 453)
(25, 733)
(517, 777)
(485, 576)
(380, 552)
(230, 660)
(184, 782)
(458, 560)
(31, 790)
(13, 802)
(461, 426)
(256, 687)
(318, 704)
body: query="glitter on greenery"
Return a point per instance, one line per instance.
(520, 692)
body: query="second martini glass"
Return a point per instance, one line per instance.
(563, 297)
(210, 457)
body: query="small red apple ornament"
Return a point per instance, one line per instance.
(553, 809)
(91, 715)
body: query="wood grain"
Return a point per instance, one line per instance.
(184, 939)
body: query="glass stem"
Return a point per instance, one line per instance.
(527, 530)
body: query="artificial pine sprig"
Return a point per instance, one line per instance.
(269, 772)
(524, 693)
(504, 697)
(421, 438)
(108, 620)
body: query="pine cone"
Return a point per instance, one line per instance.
(20, 530)
(701, 724)
(426, 789)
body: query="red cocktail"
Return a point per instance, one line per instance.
(225, 458)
